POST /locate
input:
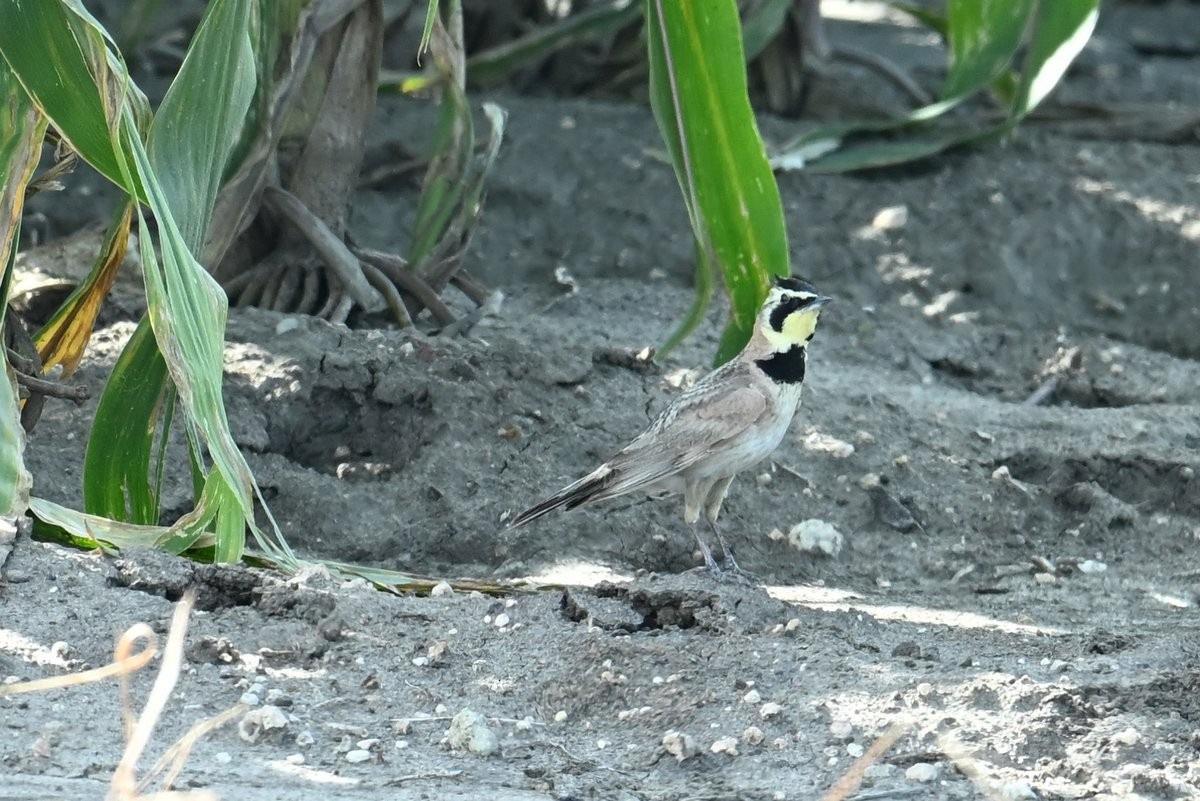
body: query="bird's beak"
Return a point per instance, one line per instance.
(820, 301)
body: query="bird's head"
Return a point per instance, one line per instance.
(789, 314)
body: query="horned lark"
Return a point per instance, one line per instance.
(728, 421)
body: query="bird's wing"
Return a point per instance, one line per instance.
(696, 425)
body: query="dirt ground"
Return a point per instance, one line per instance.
(1001, 420)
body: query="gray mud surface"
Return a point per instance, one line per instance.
(1017, 582)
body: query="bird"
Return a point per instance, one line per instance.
(728, 421)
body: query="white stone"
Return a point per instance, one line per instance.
(921, 772)
(816, 536)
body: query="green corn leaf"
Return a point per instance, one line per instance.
(762, 24)
(497, 64)
(984, 36)
(1061, 29)
(431, 15)
(117, 464)
(22, 129)
(200, 120)
(698, 92)
(64, 338)
(62, 58)
(86, 530)
(14, 478)
(931, 19)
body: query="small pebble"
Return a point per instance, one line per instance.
(249, 699)
(441, 589)
(1127, 737)
(358, 755)
(792, 624)
(890, 218)
(921, 772)
(305, 738)
(261, 722)
(769, 710)
(1017, 791)
(277, 697)
(880, 770)
(679, 745)
(855, 750)
(1092, 566)
(724, 745)
(752, 697)
(841, 729)
(469, 731)
(285, 325)
(560, 716)
(294, 759)
(816, 536)
(501, 620)
(223, 757)
(753, 736)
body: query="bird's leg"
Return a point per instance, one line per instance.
(706, 552)
(693, 500)
(731, 564)
(712, 508)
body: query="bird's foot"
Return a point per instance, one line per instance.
(732, 569)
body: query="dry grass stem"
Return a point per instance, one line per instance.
(854, 776)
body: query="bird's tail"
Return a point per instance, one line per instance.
(570, 496)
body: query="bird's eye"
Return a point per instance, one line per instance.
(787, 305)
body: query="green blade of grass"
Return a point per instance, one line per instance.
(698, 92)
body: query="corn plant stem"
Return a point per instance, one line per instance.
(240, 281)
(310, 292)
(331, 301)
(397, 270)
(341, 312)
(271, 286)
(289, 288)
(253, 289)
(390, 294)
(473, 289)
(886, 68)
(51, 389)
(332, 249)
